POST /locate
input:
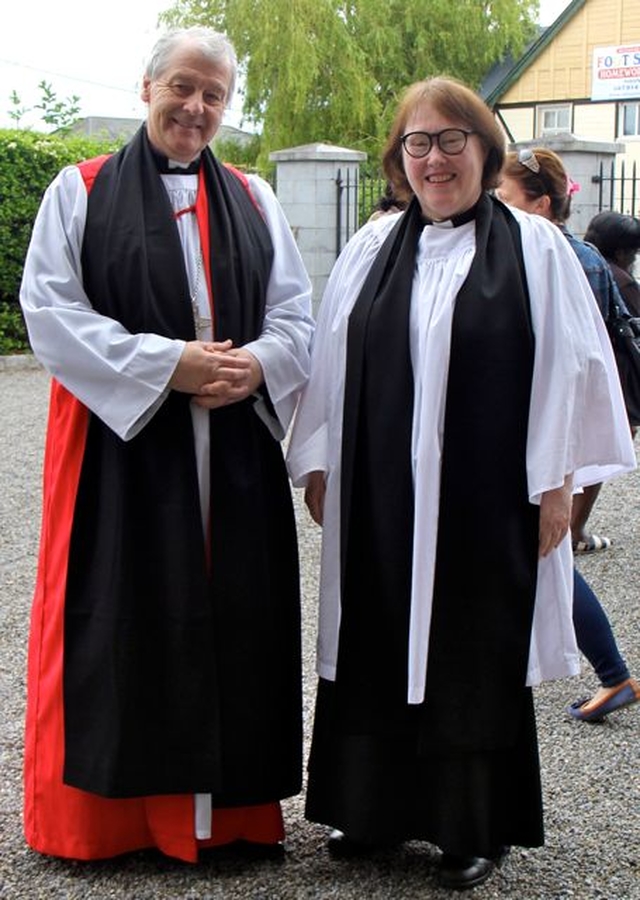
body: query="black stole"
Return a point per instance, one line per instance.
(483, 462)
(133, 269)
(146, 719)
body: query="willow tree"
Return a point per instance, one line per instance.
(326, 70)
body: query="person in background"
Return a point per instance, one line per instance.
(387, 203)
(165, 295)
(433, 441)
(617, 237)
(536, 182)
(597, 641)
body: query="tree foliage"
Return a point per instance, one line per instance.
(329, 70)
(58, 114)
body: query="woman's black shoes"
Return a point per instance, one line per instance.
(454, 872)
(461, 872)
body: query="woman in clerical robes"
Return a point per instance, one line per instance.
(435, 439)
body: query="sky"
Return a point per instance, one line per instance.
(94, 52)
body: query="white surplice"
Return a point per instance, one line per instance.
(577, 420)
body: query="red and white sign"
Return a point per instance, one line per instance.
(616, 73)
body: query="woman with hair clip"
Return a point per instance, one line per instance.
(434, 443)
(537, 182)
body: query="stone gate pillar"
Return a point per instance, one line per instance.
(319, 212)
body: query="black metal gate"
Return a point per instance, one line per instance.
(356, 198)
(618, 192)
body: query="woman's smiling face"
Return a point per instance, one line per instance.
(445, 185)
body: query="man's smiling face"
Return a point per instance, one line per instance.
(186, 103)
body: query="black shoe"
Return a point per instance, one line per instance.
(342, 847)
(462, 872)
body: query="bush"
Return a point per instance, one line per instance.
(13, 334)
(28, 163)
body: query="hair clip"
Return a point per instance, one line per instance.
(528, 159)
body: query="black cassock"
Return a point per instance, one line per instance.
(182, 657)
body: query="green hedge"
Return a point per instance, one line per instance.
(29, 161)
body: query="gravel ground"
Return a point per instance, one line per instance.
(590, 772)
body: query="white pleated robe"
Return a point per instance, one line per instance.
(577, 420)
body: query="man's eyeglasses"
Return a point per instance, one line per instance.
(451, 141)
(528, 159)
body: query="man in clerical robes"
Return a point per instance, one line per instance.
(165, 295)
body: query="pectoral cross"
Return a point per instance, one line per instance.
(200, 322)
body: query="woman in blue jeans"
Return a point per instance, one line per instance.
(597, 642)
(537, 182)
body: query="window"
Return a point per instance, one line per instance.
(553, 119)
(629, 120)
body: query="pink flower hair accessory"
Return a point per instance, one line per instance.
(572, 186)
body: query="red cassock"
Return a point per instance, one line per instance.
(61, 820)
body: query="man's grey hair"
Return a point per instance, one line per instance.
(214, 46)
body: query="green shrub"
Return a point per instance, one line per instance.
(13, 334)
(29, 161)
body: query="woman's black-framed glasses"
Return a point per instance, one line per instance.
(529, 160)
(451, 141)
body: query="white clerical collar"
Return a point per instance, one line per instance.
(176, 164)
(455, 221)
(168, 166)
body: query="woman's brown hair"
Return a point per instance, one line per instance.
(551, 179)
(456, 101)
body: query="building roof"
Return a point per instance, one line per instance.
(505, 73)
(108, 127)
